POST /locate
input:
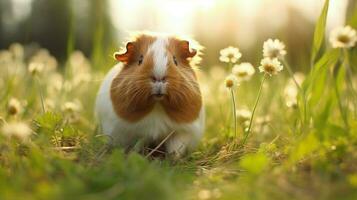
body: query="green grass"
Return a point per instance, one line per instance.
(304, 152)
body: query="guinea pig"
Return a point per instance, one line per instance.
(152, 93)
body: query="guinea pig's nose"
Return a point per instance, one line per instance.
(158, 79)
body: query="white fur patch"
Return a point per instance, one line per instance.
(103, 107)
(159, 88)
(159, 49)
(154, 126)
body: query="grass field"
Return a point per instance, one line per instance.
(302, 143)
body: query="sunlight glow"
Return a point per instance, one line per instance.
(245, 18)
(20, 10)
(172, 16)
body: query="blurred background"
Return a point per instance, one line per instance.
(99, 27)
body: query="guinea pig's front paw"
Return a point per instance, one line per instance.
(176, 153)
(178, 144)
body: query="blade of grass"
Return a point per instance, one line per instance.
(352, 21)
(254, 108)
(160, 144)
(234, 112)
(40, 91)
(313, 87)
(350, 83)
(319, 34)
(338, 84)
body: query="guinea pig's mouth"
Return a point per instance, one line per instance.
(158, 96)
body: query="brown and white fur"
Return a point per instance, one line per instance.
(152, 92)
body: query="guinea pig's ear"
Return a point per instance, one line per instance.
(125, 57)
(186, 51)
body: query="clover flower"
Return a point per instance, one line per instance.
(262, 124)
(204, 194)
(17, 51)
(18, 130)
(6, 63)
(35, 68)
(71, 111)
(56, 84)
(231, 81)
(14, 107)
(243, 71)
(244, 115)
(49, 104)
(230, 55)
(71, 107)
(343, 37)
(274, 48)
(291, 90)
(80, 68)
(46, 59)
(270, 66)
(5, 57)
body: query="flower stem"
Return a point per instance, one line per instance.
(230, 65)
(234, 112)
(291, 73)
(254, 108)
(299, 88)
(41, 95)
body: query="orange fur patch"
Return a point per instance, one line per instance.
(131, 92)
(184, 101)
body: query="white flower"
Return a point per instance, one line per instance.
(231, 81)
(35, 68)
(291, 91)
(71, 111)
(44, 57)
(55, 83)
(7, 64)
(299, 77)
(262, 120)
(71, 107)
(80, 68)
(343, 37)
(243, 71)
(230, 55)
(244, 115)
(50, 104)
(204, 194)
(273, 48)
(81, 78)
(262, 125)
(68, 86)
(5, 57)
(14, 106)
(18, 130)
(270, 66)
(79, 63)
(17, 51)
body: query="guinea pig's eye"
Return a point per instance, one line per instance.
(141, 59)
(175, 60)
